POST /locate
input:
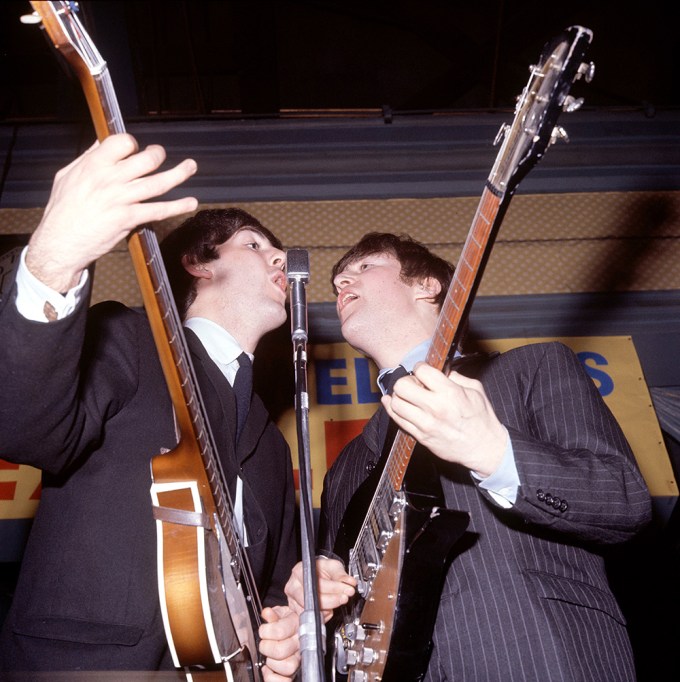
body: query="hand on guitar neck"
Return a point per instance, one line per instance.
(451, 416)
(96, 201)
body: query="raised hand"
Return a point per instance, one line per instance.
(96, 201)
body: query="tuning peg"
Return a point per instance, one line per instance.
(33, 18)
(501, 133)
(571, 104)
(558, 133)
(587, 71)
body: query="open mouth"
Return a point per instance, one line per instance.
(279, 280)
(345, 298)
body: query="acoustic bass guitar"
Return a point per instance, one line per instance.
(209, 600)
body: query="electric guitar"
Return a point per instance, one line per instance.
(207, 592)
(397, 538)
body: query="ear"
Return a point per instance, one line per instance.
(196, 270)
(428, 289)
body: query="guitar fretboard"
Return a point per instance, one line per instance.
(367, 549)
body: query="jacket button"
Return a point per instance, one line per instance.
(541, 495)
(564, 506)
(556, 502)
(370, 466)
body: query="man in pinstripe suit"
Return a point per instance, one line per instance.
(528, 448)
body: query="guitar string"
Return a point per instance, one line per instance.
(367, 548)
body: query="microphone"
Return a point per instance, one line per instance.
(297, 273)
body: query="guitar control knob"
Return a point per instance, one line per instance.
(351, 657)
(369, 656)
(362, 587)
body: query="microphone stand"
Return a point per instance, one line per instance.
(311, 631)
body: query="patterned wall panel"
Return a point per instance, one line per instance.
(548, 243)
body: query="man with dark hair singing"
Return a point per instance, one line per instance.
(525, 445)
(84, 399)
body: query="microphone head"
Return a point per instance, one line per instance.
(297, 264)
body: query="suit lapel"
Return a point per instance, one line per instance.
(219, 403)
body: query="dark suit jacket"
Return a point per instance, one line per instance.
(84, 400)
(526, 597)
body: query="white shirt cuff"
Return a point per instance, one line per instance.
(503, 484)
(32, 295)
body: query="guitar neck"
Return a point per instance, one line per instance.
(195, 455)
(467, 276)
(454, 312)
(102, 103)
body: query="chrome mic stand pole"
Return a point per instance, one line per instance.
(311, 631)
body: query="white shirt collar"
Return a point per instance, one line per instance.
(220, 345)
(414, 356)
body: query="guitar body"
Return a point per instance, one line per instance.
(205, 609)
(397, 632)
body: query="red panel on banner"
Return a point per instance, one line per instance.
(338, 434)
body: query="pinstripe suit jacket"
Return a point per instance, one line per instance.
(526, 597)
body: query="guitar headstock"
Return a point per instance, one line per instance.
(545, 96)
(61, 22)
(66, 32)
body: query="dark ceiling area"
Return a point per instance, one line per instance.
(230, 59)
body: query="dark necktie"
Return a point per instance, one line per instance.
(390, 378)
(243, 388)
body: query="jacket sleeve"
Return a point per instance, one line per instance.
(578, 475)
(50, 408)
